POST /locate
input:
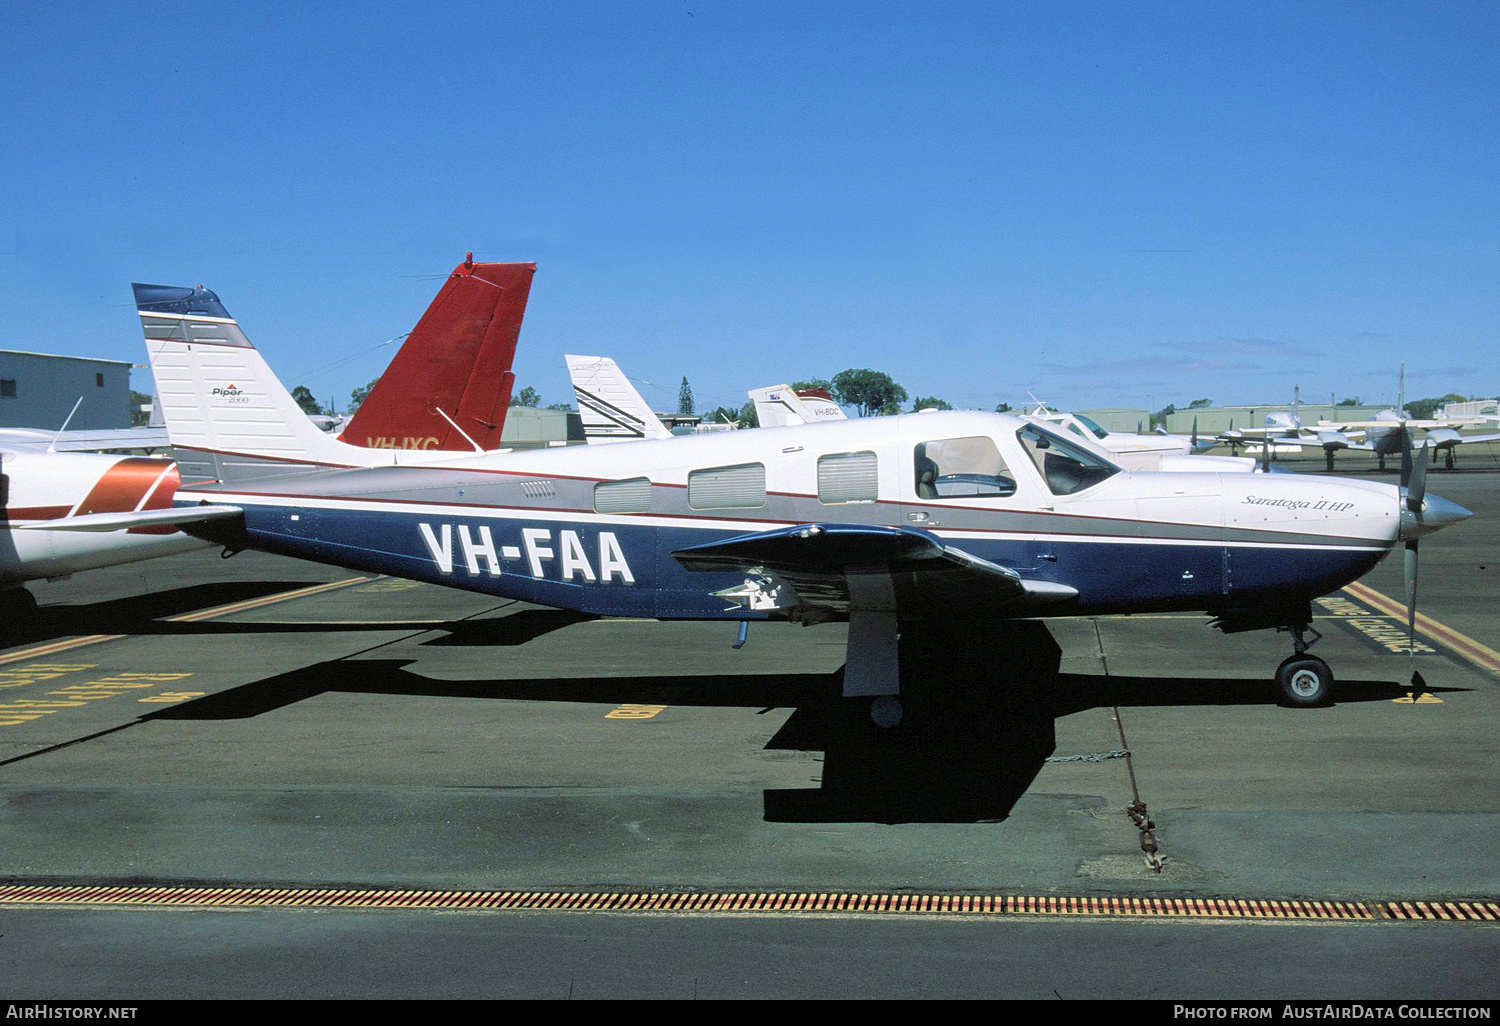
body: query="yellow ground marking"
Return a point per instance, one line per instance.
(634, 712)
(67, 644)
(1480, 910)
(266, 600)
(1425, 698)
(1479, 655)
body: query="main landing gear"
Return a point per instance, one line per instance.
(1303, 680)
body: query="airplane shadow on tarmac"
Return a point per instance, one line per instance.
(979, 720)
(135, 614)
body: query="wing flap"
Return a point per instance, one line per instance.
(833, 568)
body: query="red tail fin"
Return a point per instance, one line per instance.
(457, 360)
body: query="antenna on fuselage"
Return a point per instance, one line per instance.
(66, 421)
(476, 445)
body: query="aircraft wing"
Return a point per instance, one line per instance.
(83, 440)
(174, 517)
(829, 569)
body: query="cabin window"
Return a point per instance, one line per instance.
(847, 477)
(1065, 467)
(953, 468)
(633, 495)
(98, 380)
(7, 388)
(738, 487)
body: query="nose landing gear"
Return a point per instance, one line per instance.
(1303, 680)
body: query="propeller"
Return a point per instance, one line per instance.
(1194, 440)
(1414, 490)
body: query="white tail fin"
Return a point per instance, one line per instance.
(227, 415)
(781, 406)
(611, 409)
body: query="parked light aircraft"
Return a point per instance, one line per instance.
(781, 406)
(1120, 442)
(1285, 428)
(1387, 434)
(64, 511)
(449, 385)
(933, 522)
(785, 406)
(609, 405)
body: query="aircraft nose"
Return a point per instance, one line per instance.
(1437, 513)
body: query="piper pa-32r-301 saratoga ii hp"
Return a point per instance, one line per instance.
(928, 522)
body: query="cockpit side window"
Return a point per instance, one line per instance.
(952, 468)
(1065, 467)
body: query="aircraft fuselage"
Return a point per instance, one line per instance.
(594, 528)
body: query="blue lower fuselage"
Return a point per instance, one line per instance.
(625, 567)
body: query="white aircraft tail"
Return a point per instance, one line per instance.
(610, 407)
(227, 415)
(782, 406)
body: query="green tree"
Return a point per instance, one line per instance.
(1161, 415)
(138, 416)
(1003, 408)
(685, 399)
(564, 407)
(1198, 404)
(304, 398)
(528, 396)
(803, 386)
(871, 392)
(930, 402)
(358, 396)
(744, 417)
(1423, 409)
(1355, 401)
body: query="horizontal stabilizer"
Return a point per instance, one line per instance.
(139, 518)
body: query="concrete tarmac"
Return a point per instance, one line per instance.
(386, 734)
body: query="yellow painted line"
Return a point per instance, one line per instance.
(267, 600)
(785, 902)
(372, 624)
(52, 648)
(67, 644)
(1480, 655)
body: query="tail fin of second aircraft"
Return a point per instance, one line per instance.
(227, 415)
(453, 369)
(610, 407)
(781, 406)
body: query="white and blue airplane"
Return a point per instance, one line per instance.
(896, 525)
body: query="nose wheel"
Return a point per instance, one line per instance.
(1304, 681)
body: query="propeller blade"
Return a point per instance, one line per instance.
(1194, 441)
(1405, 455)
(1410, 569)
(1416, 488)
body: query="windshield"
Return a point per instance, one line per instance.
(1064, 465)
(1098, 431)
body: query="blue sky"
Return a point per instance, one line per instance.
(1109, 204)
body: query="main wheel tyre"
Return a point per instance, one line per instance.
(1304, 681)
